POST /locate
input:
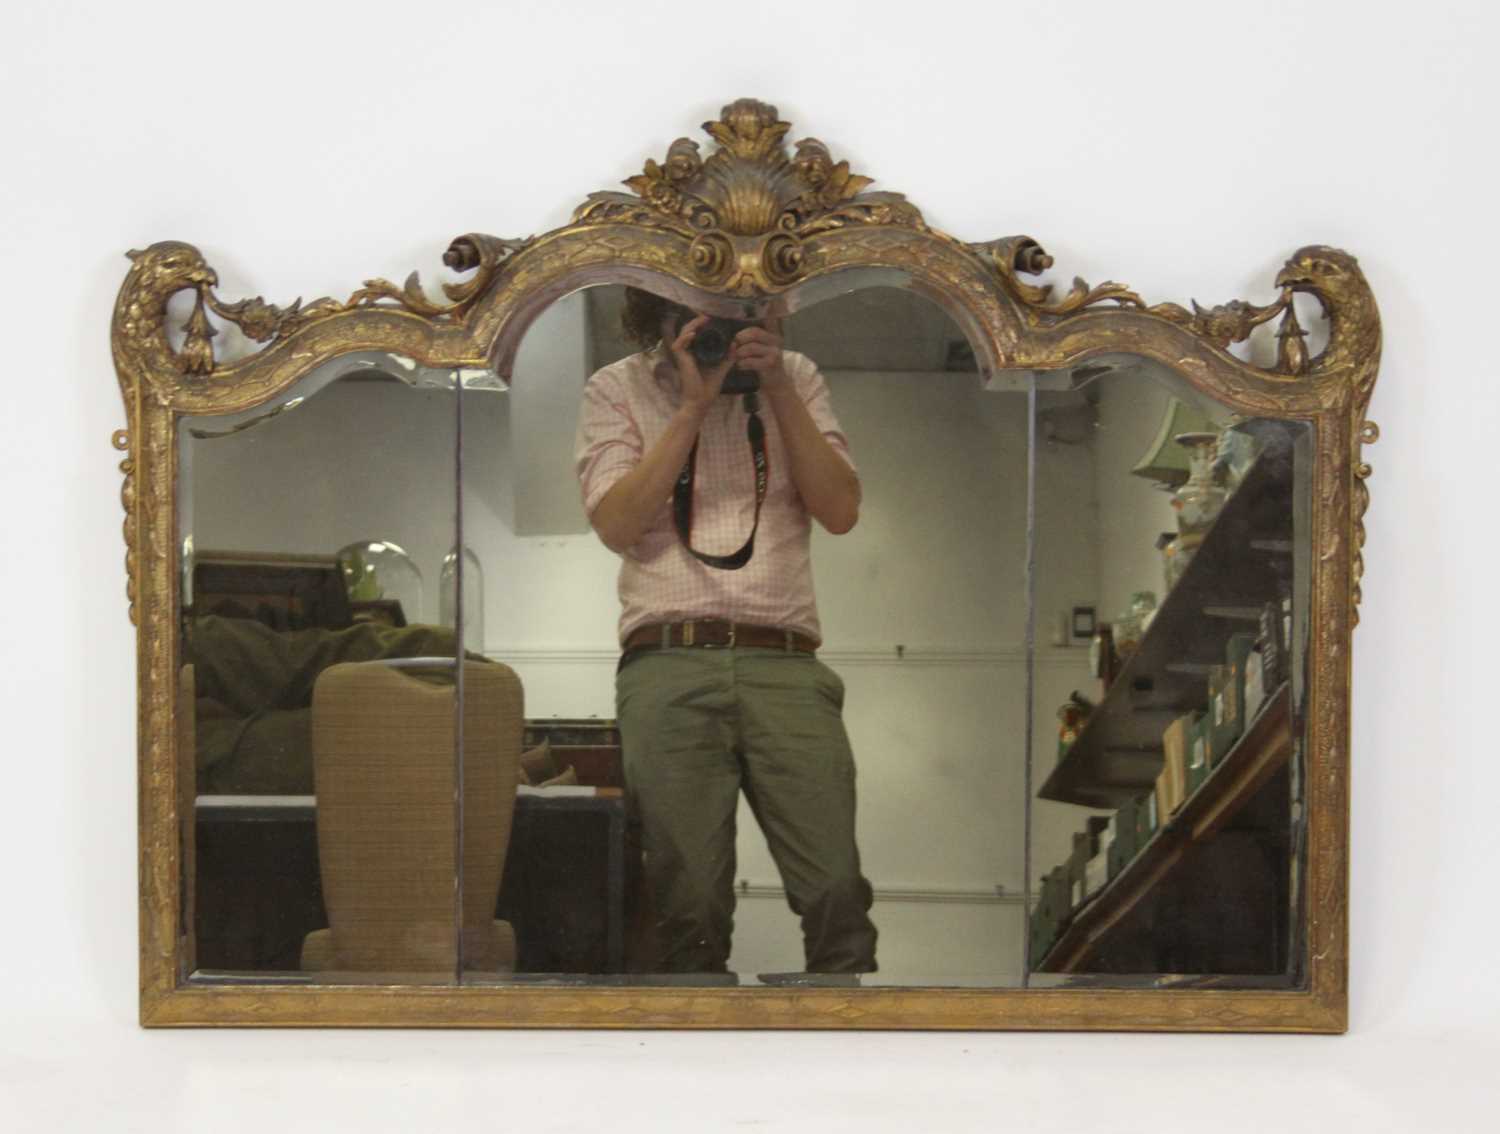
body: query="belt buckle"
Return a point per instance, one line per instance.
(688, 635)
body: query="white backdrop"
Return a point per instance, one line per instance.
(1184, 148)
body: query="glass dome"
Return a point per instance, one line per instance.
(383, 582)
(473, 592)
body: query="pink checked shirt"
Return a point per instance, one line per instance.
(626, 408)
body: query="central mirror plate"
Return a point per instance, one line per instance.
(740, 853)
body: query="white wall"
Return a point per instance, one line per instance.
(358, 461)
(1186, 148)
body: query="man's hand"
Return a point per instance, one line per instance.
(758, 349)
(698, 389)
(828, 486)
(630, 508)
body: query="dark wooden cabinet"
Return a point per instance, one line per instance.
(571, 886)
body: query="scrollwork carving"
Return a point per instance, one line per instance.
(467, 253)
(1330, 275)
(1221, 325)
(162, 270)
(1013, 256)
(782, 258)
(712, 257)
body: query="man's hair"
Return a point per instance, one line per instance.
(642, 316)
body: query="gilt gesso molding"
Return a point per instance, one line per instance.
(754, 221)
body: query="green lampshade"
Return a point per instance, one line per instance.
(1166, 461)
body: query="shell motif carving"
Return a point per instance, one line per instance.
(750, 205)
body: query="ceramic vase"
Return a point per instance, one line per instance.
(1199, 501)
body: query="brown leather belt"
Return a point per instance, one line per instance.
(716, 633)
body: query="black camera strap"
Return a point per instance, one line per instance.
(682, 493)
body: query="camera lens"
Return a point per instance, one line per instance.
(711, 345)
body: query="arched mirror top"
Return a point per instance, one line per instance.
(762, 226)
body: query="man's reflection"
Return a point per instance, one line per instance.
(718, 688)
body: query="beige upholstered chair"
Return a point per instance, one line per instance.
(385, 773)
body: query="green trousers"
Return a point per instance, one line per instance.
(698, 726)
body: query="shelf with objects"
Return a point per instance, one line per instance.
(1249, 766)
(1192, 748)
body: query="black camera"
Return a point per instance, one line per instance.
(711, 346)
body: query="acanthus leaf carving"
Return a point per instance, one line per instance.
(256, 319)
(1367, 434)
(1224, 323)
(889, 209)
(1014, 256)
(476, 252)
(1330, 275)
(409, 296)
(164, 269)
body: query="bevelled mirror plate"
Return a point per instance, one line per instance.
(1026, 707)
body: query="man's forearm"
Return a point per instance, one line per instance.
(631, 506)
(828, 486)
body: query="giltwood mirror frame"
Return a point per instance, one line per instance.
(752, 221)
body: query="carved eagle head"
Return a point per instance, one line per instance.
(174, 264)
(1323, 270)
(1333, 276)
